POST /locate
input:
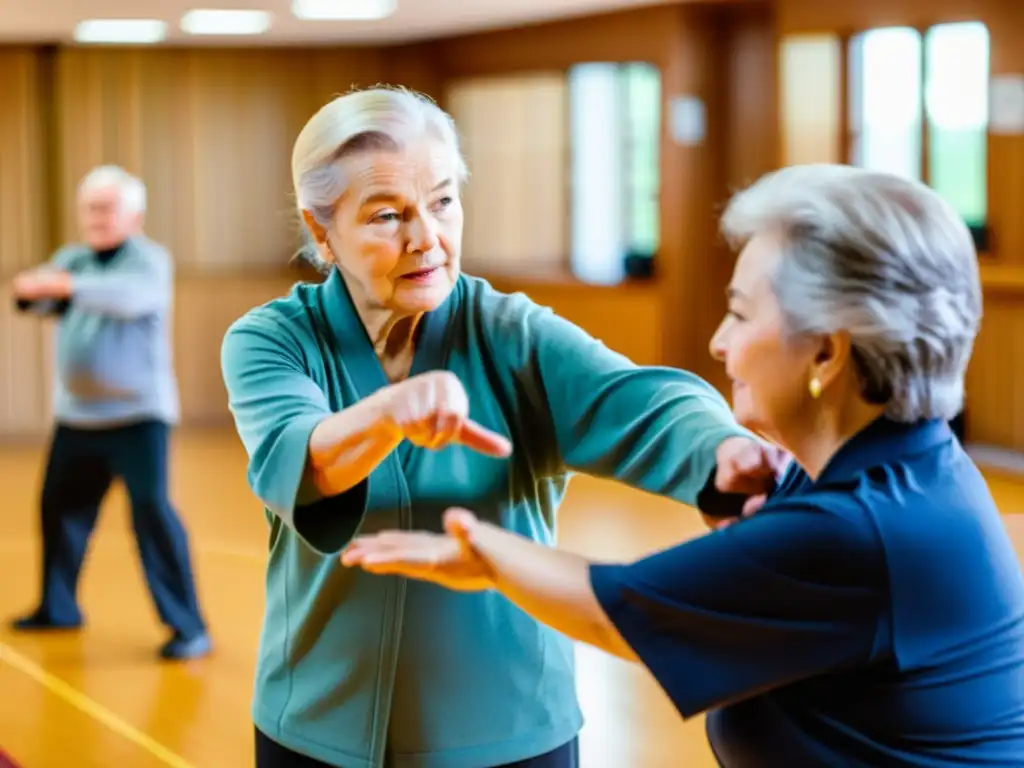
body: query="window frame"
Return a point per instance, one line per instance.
(848, 132)
(636, 266)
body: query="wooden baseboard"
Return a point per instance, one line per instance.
(997, 459)
(1002, 278)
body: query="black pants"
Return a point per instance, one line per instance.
(81, 467)
(270, 754)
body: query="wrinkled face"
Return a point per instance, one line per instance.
(770, 372)
(397, 230)
(102, 218)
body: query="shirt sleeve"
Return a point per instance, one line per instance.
(652, 428)
(42, 307)
(63, 259)
(66, 257)
(787, 594)
(276, 405)
(140, 284)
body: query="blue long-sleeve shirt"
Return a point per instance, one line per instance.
(114, 363)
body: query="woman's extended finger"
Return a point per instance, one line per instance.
(374, 544)
(357, 552)
(483, 440)
(352, 556)
(376, 558)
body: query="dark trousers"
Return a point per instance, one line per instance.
(81, 467)
(270, 754)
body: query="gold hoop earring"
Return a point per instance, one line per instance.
(815, 387)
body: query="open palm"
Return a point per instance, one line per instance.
(445, 559)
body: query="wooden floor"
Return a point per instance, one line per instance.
(99, 698)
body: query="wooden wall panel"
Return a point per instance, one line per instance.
(995, 398)
(745, 132)
(623, 317)
(205, 305)
(25, 367)
(23, 204)
(24, 343)
(812, 128)
(515, 141)
(210, 132)
(750, 60)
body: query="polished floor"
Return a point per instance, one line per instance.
(99, 698)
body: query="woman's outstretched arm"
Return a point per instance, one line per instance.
(784, 595)
(551, 585)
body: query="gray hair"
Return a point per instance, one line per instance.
(130, 188)
(882, 258)
(379, 118)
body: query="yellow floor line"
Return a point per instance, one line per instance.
(91, 708)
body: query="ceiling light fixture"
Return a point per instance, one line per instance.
(123, 31)
(225, 22)
(342, 10)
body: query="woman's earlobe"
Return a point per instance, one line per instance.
(829, 361)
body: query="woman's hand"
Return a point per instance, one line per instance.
(432, 411)
(749, 467)
(446, 559)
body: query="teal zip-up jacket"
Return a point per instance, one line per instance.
(360, 671)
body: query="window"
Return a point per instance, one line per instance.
(615, 129)
(643, 124)
(916, 105)
(956, 103)
(919, 107)
(564, 171)
(885, 101)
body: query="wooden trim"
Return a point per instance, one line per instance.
(1001, 279)
(565, 282)
(926, 142)
(846, 127)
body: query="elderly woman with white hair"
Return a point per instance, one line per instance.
(353, 398)
(872, 612)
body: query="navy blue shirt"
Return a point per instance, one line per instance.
(874, 617)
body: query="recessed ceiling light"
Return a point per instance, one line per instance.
(342, 10)
(120, 31)
(225, 22)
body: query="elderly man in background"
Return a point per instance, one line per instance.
(115, 400)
